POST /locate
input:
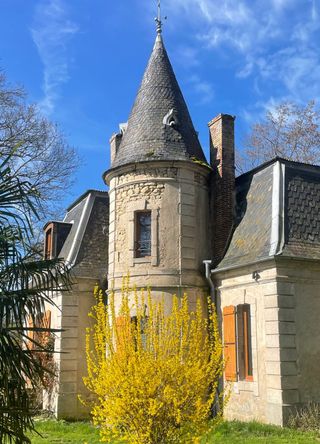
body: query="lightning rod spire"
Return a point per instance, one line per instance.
(158, 19)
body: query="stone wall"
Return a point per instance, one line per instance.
(92, 259)
(177, 196)
(301, 283)
(248, 399)
(285, 307)
(71, 316)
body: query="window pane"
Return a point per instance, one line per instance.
(247, 340)
(143, 234)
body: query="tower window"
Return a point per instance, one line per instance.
(142, 234)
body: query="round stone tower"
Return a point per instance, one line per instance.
(158, 190)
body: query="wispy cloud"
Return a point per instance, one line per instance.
(203, 89)
(268, 40)
(51, 32)
(187, 56)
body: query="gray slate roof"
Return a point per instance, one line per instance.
(86, 246)
(302, 212)
(251, 238)
(146, 136)
(297, 230)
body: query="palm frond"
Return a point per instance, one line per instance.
(26, 288)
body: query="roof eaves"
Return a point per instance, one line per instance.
(56, 222)
(241, 265)
(85, 194)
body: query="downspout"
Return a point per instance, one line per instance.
(207, 263)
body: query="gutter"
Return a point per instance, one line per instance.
(245, 264)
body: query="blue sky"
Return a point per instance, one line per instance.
(83, 60)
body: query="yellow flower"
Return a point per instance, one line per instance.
(153, 377)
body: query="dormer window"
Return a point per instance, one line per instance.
(123, 128)
(170, 118)
(55, 234)
(142, 234)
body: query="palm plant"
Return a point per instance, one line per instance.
(26, 286)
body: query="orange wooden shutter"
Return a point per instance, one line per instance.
(30, 333)
(48, 244)
(121, 331)
(47, 319)
(46, 324)
(230, 345)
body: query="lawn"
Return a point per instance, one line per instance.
(61, 432)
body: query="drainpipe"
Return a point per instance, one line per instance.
(207, 263)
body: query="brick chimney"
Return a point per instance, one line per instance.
(221, 130)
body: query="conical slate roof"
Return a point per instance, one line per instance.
(159, 126)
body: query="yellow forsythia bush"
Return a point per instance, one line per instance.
(154, 376)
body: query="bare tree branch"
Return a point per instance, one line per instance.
(41, 153)
(290, 131)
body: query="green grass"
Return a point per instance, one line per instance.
(61, 432)
(255, 433)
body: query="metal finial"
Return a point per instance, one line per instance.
(158, 19)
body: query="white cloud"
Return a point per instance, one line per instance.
(269, 40)
(203, 89)
(51, 32)
(187, 56)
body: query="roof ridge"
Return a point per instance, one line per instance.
(84, 195)
(275, 159)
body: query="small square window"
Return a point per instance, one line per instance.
(142, 244)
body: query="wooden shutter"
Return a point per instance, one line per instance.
(46, 323)
(230, 342)
(121, 332)
(47, 319)
(30, 333)
(48, 244)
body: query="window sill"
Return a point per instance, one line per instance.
(243, 386)
(142, 260)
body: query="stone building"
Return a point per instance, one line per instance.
(166, 212)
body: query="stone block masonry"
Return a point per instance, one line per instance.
(177, 196)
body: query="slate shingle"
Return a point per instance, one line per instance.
(251, 237)
(147, 137)
(302, 212)
(252, 234)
